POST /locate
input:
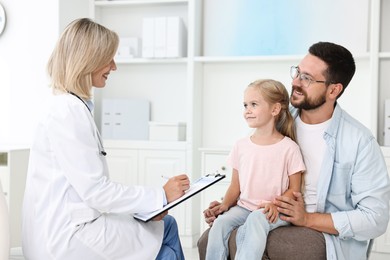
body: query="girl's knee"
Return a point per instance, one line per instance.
(217, 225)
(257, 216)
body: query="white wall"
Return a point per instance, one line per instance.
(25, 47)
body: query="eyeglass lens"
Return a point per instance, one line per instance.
(294, 72)
(303, 78)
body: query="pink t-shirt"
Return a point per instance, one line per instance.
(263, 170)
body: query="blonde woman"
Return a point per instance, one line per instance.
(71, 208)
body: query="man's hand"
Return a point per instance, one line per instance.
(176, 186)
(292, 210)
(212, 212)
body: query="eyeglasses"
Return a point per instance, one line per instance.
(304, 78)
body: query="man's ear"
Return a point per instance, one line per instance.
(335, 90)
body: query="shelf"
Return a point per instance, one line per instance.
(144, 144)
(5, 147)
(246, 58)
(386, 151)
(270, 58)
(384, 55)
(150, 61)
(139, 2)
(214, 149)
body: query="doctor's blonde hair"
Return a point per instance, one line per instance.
(84, 47)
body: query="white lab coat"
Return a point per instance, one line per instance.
(71, 209)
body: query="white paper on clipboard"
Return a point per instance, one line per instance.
(195, 187)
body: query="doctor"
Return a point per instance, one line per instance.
(71, 208)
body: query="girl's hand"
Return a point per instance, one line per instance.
(222, 208)
(272, 211)
(211, 213)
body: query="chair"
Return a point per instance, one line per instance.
(280, 232)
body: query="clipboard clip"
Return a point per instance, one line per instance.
(215, 174)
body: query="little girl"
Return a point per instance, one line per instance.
(265, 165)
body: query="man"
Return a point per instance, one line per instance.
(345, 202)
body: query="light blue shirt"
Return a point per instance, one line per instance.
(353, 186)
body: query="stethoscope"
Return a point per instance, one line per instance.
(100, 143)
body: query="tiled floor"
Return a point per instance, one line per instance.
(191, 253)
(16, 254)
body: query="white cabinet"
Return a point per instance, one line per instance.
(381, 247)
(13, 171)
(214, 161)
(382, 76)
(143, 163)
(144, 166)
(123, 165)
(157, 163)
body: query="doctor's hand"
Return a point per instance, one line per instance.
(176, 186)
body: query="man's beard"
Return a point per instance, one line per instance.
(306, 103)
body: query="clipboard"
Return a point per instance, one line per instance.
(195, 187)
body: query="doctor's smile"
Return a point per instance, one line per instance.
(100, 76)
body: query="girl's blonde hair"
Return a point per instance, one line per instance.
(83, 47)
(275, 92)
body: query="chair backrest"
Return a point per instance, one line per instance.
(4, 227)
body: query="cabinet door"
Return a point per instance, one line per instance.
(215, 192)
(382, 243)
(214, 162)
(381, 247)
(155, 163)
(4, 174)
(122, 165)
